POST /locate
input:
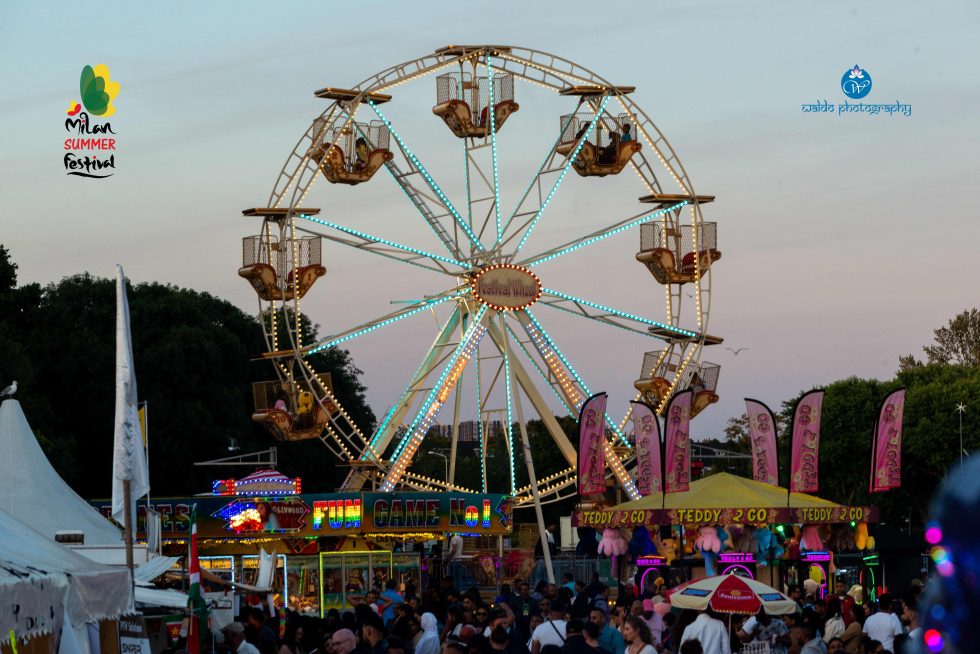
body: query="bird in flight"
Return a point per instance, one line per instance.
(9, 391)
(735, 352)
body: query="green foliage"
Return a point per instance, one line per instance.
(193, 362)
(957, 343)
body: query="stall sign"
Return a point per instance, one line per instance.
(611, 519)
(646, 561)
(815, 556)
(736, 557)
(256, 515)
(133, 638)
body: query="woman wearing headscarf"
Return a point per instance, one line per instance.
(429, 642)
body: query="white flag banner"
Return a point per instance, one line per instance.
(128, 456)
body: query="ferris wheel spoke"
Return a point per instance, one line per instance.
(595, 237)
(561, 177)
(414, 160)
(374, 245)
(600, 312)
(435, 399)
(546, 167)
(412, 309)
(492, 115)
(613, 460)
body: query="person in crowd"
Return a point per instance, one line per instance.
(551, 631)
(884, 625)
(853, 632)
(692, 646)
(810, 641)
(523, 607)
(872, 646)
(372, 634)
(666, 645)
(910, 615)
(686, 618)
(591, 633)
(505, 643)
(833, 623)
(234, 634)
(636, 632)
(400, 625)
(342, 641)
(258, 631)
(835, 646)
(391, 596)
(395, 645)
(568, 581)
(609, 639)
(711, 631)
(575, 639)
(763, 628)
(292, 642)
(536, 621)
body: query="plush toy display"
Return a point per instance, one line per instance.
(641, 544)
(666, 547)
(767, 547)
(709, 545)
(745, 541)
(862, 539)
(725, 538)
(841, 539)
(612, 543)
(690, 535)
(810, 540)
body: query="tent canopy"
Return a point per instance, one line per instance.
(726, 491)
(69, 583)
(32, 491)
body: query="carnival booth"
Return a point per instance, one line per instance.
(725, 523)
(323, 549)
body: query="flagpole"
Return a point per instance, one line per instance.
(128, 534)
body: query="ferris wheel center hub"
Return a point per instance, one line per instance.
(506, 287)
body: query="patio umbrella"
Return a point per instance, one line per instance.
(731, 594)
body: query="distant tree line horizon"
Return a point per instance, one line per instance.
(194, 361)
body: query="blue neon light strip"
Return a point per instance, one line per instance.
(449, 246)
(465, 344)
(491, 114)
(621, 314)
(378, 239)
(510, 422)
(391, 411)
(588, 393)
(564, 172)
(479, 427)
(612, 232)
(530, 186)
(543, 375)
(426, 304)
(428, 178)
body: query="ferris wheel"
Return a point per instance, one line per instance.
(493, 338)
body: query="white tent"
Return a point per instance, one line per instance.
(46, 581)
(32, 492)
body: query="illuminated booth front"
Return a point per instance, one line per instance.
(328, 546)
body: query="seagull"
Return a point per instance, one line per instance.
(735, 352)
(10, 390)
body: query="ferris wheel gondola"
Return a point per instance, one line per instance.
(492, 338)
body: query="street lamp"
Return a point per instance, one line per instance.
(445, 460)
(961, 408)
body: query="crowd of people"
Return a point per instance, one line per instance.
(576, 618)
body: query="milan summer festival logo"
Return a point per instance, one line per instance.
(90, 150)
(856, 84)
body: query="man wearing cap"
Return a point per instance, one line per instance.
(235, 639)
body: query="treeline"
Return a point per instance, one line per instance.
(193, 361)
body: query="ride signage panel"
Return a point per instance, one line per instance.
(506, 287)
(328, 514)
(765, 515)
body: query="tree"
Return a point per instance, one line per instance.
(192, 353)
(957, 343)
